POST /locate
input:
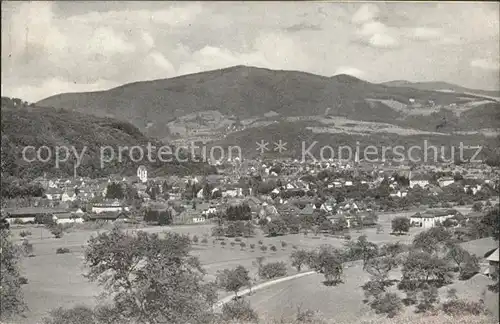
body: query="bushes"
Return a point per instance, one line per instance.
(195, 239)
(62, 250)
(75, 315)
(56, 230)
(204, 241)
(252, 246)
(240, 310)
(458, 307)
(27, 248)
(273, 248)
(242, 245)
(387, 303)
(24, 233)
(284, 244)
(238, 239)
(233, 244)
(263, 248)
(272, 270)
(260, 242)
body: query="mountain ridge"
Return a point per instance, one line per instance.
(249, 92)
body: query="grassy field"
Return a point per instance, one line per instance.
(344, 301)
(57, 279)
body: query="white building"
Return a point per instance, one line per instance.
(420, 180)
(68, 196)
(445, 181)
(430, 218)
(142, 173)
(113, 206)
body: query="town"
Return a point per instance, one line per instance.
(167, 162)
(351, 193)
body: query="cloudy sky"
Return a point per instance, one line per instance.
(49, 48)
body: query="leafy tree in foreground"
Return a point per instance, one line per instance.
(421, 269)
(428, 296)
(239, 310)
(458, 255)
(362, 249)
(272, 270)
(432, 240)
(151, 279)
(387, 303)
(11, 296)
(233, 280)
(75, 315)
(329, 262)
(400, 225)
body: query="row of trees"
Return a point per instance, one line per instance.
(234, 229)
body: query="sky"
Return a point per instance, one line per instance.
(55, 47)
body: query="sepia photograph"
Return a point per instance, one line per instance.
(250, 162)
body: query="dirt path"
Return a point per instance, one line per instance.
(263, 285)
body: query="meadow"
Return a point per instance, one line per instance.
(56, 280)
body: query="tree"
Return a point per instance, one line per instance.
(457, 254)
(387, 303)
(218, 231)
(114, 191)
(427, 297)
(329, 262)
(207, 191)
(272, 270)
(380, 267)
(275, 228)
(239, 310)
(491, 222)
(165, 217)
(235, 229)
(362, 249)
(248, 229)
(233, 280)
(432, 240)
(75, 315)
(27, 248)
(11, 295)
(152, 279)
(340, 224)
(392, 249)
(470, 267)
(400, 225)
(477, 207)
(299, 258)
(422, 268)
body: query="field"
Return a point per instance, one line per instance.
(57, 279)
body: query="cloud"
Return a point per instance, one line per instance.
(367, 12)
(53, 86)
(302, 27)
(426, 33)
(380, 40)
(45, 46)
(371, 32)
(350, 71)
(175, 16)
(376, 34)
(485, 64)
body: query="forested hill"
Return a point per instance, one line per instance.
(27, 125)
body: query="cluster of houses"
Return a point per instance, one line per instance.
(232, 186)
